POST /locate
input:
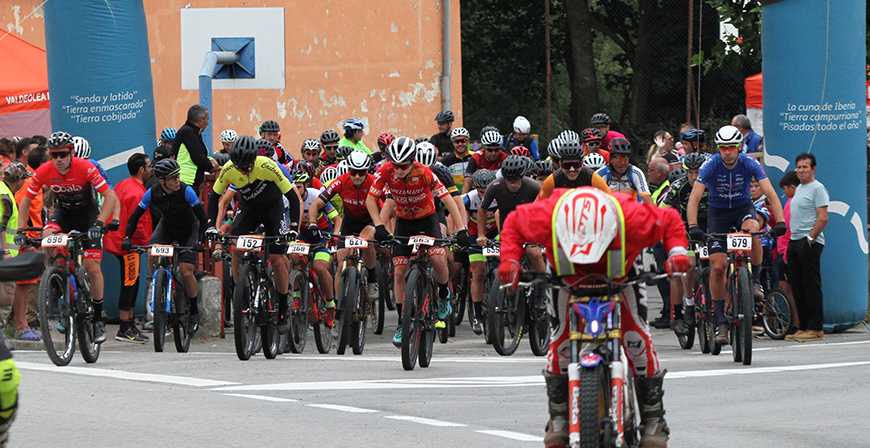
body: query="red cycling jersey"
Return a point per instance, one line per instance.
(413, 193)
(481, 162)
(73, 189)
(353, 198)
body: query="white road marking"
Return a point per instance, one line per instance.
(338, 407)
(425, 421)
(440, 359)
(791, 346)
(753, 370)
(431, 383)
(262, 397)
(513, 435)
(124, 375)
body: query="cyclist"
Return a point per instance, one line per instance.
(594, 161)
(601, 121)
(521, 137)
(591, 138)
(541, 170)
(727, 176)
(228, 136)
(568, 136)
(329, 142)
(413, 187)
(623, 177)
(491, 157)
(442, 139)
(270, 130)
(384, 140)
(82, 150)
(261, 184)
(311, 152)
(481, 179)
(73, 181)
(587, 231)
(182, 219)
(167, 137)
(354, 130)
(553, 150)
(457, 160)
(572, 173)
(693, 140)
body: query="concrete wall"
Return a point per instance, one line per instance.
(377, 60)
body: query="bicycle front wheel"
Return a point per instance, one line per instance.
(56, 316)
(745, 313)
(460, 295)
(594, 405)
(507, 316)
(244, 312)
(159, 290)
(297, 336)
(181, 323)
(348, 295)
(412, 319)
(778, 314)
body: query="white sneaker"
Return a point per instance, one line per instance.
(372, 291)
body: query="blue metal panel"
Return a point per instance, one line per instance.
(245, 67)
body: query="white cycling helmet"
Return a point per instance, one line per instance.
(427, 154)
(328, 175)
(341, 167)
(594, 161)
(459, 132)
(553, 148)
(569, 136)
(358, 160)
(522, 125)
(586, 222)
(82, 147)
(402, 150)
(490, 138)
(229, 136)
(729, 136)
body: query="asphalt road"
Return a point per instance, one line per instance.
(793, 395)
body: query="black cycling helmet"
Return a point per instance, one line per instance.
(343, 152)
(244, 151)
(571, 151)
(306, 166)
(329, 136)
(445, 116)
(482, 177)
(694, 160)
(600, 118)
(221, 158)
(270, 126)
(542, 168)
(514, 166)
(166, 168)
(419, 140)
(675, 174)
(694, 135)
(620, 146)
(59, 140)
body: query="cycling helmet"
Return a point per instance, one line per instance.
(166, 168)
(729, 136)
(600, 118)
(343, 152)
(167, 135)
(620, 146)
(419, 140)
(594, 161)
(569, 136)
(229, 136)
(385, 139)
(459, 132)
(221, 158)
(514, 166)
(402, 150)
(270, 126)
(341, 167)
(306, 166)
(521, 151)
(693, 135)
(530, 166)
(675, 174)
(445, 116)
(542, 168)
(694, 160)
(427, 154)
(244, 151)
(553, 148)
(482, 177)
(571, 151)
(522, 125)
(328, 175)
(311, 144)
(82, 147)
(358, 160)
(488, 128)
(590, 135)
(300, 176)
(762, 210)
(585, 224)
(329, 136)
(352, 124)
(265, 148)
(60, 140)
(490, 138)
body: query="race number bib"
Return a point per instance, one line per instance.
(739, 242)
(249, 242)
(299, 248)
(702, 251)
(355, 243)
(421, 240)
(161, 250)
(491, 251)
(56, 240)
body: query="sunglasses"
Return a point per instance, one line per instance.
(593, 144)
(460, 141)
(619, 158)
(358, 173)
(59, 154)
(492, 148)
(331, 147)
(728, 148)
(568, 166)
(400, 167)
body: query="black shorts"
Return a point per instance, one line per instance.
(412, 227)
(80, 219)
(247, 221)
(184, 236)
(721, 220)
(350, 226)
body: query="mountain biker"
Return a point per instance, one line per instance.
(572, 173)
(623, 177)
(481, 179)
(586, 231)
(490, 157)
(457, 160)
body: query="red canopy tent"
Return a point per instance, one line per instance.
(23, 89)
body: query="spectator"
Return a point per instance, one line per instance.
(658, 171)
(442, 140)
(26, 290)
(40, 140)
(14, 177)
(752, 142)
(693, 140)
(522, 137)
(663, 147)
(601, 122)
(190, 150)
(788, 184)
(7, 151)
(354, 130)
(758, 197)
(809, 215)
(130, 192)
(22, 148)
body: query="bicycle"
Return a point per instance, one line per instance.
(776, 310)
(511, 315)
(461, 287)
(65, 307)
(169, 298)
(309, 304)
(603, 407)
(705, 319)
(492, 254)
(354, 304)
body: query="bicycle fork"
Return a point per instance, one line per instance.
(168, 290)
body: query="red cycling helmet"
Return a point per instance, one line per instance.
(385, 139)
(521, 151)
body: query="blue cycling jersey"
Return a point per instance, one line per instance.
(729, 188)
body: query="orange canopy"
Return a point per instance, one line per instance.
(753, 91)
(23, 76)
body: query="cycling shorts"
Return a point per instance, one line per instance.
(184, 236)
(475, 252)
(427, 225)
(66, 220)
(247, 221)
(721, 220)
(320, 253)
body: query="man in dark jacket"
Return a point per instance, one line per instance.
(190, 150)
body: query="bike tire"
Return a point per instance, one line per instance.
(55, 307)
(427, 343)
(385, 284)
(348, 294)
(227, 291)
(747, 309)
(539, 333)
(160, 285)
(297, 336)
(701, 320)
(180, 325)
(89, 349)
(508, 318)
(271, 340)
(778, 314)
(411, 319)
(244, 312)
(379, 305)
(687, 341)
(710, 313)
(486, 315)
(360, 326)
(594, 405)
(459, 297)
